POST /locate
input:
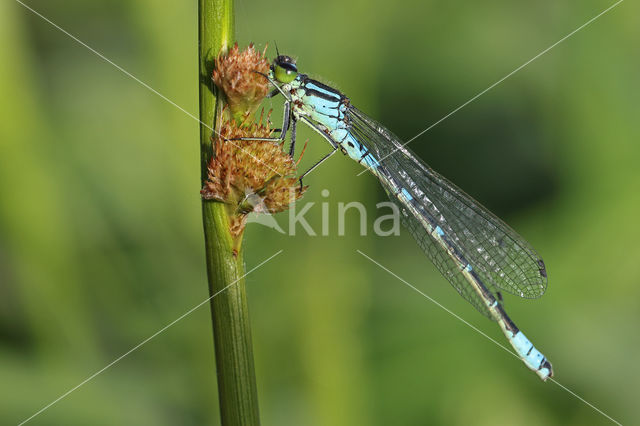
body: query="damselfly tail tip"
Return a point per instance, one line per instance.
(545, 371)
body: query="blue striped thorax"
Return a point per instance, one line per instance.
(326, 108)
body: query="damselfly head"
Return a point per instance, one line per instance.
(284, 69)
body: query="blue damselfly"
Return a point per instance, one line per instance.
(476, 251)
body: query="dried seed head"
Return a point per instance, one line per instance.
(250, 176)
(236, 74)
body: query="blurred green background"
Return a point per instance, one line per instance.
(100, 227)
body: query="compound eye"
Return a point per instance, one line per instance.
(285, 73)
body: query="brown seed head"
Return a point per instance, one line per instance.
(235, 74)
(250, 176)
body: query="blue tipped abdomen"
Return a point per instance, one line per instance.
(531, 356)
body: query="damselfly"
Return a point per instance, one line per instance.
(476, 252)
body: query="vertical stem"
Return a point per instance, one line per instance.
(215, 35)
(237, 391)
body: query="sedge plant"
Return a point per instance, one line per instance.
(238, 178)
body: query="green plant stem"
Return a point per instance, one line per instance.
(237, 390)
